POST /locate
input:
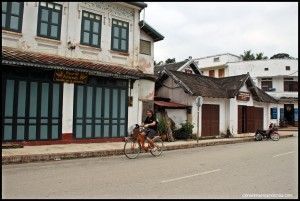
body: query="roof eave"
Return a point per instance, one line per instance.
(55, 67)
(141, 5)
(151, 31)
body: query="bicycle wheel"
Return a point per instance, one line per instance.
(158, 147)
(275, 136)
(131, 149)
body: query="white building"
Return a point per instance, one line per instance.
(74, 70)
(231, 103)
(277, 77)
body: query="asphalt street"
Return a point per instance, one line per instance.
(264, 169)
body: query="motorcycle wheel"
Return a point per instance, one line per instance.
(275, 136)
(258, 137)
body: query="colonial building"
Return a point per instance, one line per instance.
(277, 77)
(74, 71)
(232, 102)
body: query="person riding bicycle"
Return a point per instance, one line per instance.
(150, 126)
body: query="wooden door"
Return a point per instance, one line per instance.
(210, 120)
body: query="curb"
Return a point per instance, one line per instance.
(72, 155)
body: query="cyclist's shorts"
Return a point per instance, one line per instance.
(150, 133)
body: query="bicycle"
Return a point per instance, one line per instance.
(133, 144)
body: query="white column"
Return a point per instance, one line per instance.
(67, 108)
(233, 116)
(136, 38)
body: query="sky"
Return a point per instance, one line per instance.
(201, 29)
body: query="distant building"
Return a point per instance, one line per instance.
(277, 77)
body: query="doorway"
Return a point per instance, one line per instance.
(289, 114)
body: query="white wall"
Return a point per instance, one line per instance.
(71, 31)
(146, 62)
(67, 108)
(208, 62)
(177, 115)
(257, 67)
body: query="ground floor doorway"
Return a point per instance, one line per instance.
(250, 118)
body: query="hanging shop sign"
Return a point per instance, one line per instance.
(70, 77)
(243, 96)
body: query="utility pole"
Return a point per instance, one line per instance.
(199, 102)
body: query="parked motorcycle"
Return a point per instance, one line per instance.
(272, 133)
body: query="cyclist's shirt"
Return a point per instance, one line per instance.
(150, 120)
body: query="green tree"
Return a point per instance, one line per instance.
(260, 56)
(248, 55)
(169, 61)
(281, 56)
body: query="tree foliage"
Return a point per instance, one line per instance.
(248, 55)
(281, 56)
(169, 61)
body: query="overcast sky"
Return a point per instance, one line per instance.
(201, 29)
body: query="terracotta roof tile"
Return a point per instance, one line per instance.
(48, 60)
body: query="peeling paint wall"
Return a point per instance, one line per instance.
(71, 31)
(146, 62)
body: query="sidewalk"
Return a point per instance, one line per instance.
(70, 151)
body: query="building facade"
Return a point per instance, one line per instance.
(74, 71)
(231, 103)
(277, 77)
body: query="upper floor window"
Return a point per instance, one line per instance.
(266, 69)
(211, 73)
(90, 29)
(266, 84)
(145, 47)
(12, 16)
(49, 20)
(216, 59)
(221, 72)
(290, 84)
(287, 68)
(119, 36)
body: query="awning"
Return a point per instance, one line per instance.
(170, 104)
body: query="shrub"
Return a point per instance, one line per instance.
(162, 126)
(185, 132)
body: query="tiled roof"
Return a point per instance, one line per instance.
(171, 66)
(13, 56)
(264, 97)
(227, 87)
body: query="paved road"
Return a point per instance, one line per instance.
(243, 170)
